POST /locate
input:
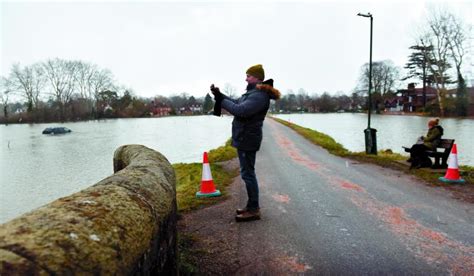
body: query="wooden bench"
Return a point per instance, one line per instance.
(447, 145)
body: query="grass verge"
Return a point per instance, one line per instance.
(385, 158)
(223, 153)
(188, 181)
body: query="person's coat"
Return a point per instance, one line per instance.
(433, 137)
(249, 113)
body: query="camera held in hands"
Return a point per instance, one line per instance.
(215, 89)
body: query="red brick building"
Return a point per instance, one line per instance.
(411, 98)
(160, 109)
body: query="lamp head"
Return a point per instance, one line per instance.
(364, 15)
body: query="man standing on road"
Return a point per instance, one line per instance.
(249, 112)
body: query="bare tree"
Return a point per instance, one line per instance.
(61, 76)
(343, 101)
(456, 32)
(326, 103)
(28, 83)
(21, 82)
(301, 99)
(230, 90)
(437, 37)
(85, 78)
(39, 83)
(5, 90)
(292, 104)
(100, 80)
(457, 39)
(311, 103)
(83, 75)
(385, 77)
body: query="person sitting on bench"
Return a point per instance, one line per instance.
(418, 156)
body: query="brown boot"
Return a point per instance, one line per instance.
(243, 210)
(249, 215)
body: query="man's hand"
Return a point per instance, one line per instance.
(217, 93)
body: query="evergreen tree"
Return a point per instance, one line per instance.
(417, 66)
(461, 97)
(208, 104)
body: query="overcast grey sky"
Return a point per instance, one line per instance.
(173, 47)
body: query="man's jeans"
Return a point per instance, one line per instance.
(247, 172)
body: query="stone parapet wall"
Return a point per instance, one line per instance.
(125, 224)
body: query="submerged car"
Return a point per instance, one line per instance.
(56, 130)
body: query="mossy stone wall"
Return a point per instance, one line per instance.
(125, 224)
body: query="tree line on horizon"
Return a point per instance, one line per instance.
(70, 90)
(58, 90)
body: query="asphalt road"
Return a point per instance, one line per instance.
(322, 214)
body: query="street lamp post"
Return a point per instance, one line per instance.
(370, 133)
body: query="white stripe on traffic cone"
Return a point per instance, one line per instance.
(207, 184)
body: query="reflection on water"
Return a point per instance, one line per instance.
(37, 168)
(393, 131)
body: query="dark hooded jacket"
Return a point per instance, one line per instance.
(433, 137)
(249, 113)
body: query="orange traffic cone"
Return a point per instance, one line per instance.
(452, 174)
(207, 184)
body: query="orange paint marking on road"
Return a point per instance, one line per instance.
(396, 216)
(292, 264)
(432, 246)
(295, 154)
(283, 141)
(290, 148)
(281, 198)
(430, 234)
(463, 266)
(344, 183)
(351, 186)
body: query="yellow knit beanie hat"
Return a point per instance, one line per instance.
(256, 71)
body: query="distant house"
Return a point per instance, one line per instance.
(196, 108)
(411, 99)
(160, 109)
(191, 109)
(394, 104)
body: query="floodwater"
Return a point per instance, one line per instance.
(393, 131)
(36, 169)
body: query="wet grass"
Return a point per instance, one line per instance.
(223, 153)
(187, 254)
(384, 158)
(188, 181)
(317, 138)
